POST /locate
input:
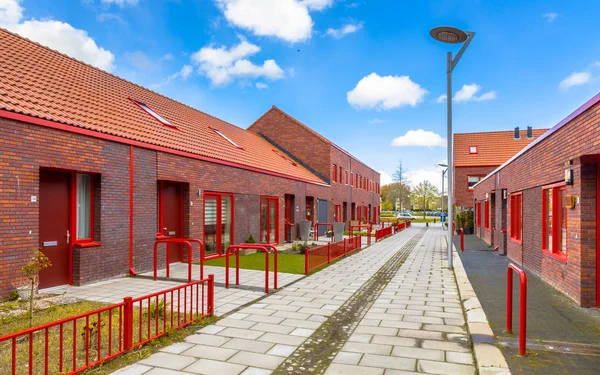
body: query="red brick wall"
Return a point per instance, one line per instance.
(27, 148)
(462, 196)
(545, 164)
(295, 139)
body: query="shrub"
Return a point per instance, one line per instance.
(250, 239)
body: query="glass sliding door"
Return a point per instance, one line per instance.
(269, 220)
(218, 223)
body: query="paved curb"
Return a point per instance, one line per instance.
(489, 358)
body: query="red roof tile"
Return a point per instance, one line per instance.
(493, 148)
(40, 82)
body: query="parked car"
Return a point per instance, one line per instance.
(405, 216)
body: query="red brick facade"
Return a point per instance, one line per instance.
(571, 145)
(27, 149)
(463, 196)
(319, 155)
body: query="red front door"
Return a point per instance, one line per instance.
(289, 217)
(172, 216)
(54, 226)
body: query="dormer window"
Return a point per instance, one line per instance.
(285, 158)
(226, 138)
(158, 117)
(472, 149)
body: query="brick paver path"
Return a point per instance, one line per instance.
(413, 322)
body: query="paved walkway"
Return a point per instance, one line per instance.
(226, 300)
(554, 321)
(391, 309)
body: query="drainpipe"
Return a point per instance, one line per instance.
(131, 269)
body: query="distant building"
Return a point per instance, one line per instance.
(477, 154)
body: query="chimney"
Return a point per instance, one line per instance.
(517, 133)
(529, 132)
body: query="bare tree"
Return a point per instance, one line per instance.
(400, 189)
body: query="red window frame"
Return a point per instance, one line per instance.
(516, 217)
(346, 172)
(337, 213)
(269, 200)
(487, 218)
(219, 216)
(556, 217)
(478, 220)
(155, 115)
(334, 173)
(341, 180)
(90, 239)
(351, 179)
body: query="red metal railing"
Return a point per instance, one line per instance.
(186, 241)
(328, 225)
(382, 233)
(77, 343)
(360, 228)
(262, 247)
(318, 256)
(522, 305)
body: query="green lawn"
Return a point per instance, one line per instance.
(288, 263)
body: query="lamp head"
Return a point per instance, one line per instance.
(447, 34)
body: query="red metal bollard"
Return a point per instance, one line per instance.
(211, 295)
(522, 305)
(462, 240)
(128, 323)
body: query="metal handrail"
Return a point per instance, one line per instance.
(522, 305)
(263, 247)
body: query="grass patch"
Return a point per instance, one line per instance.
(426, 220)
(287, 263)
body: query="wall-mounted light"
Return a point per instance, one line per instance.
(569, 176)
(570, 201)
(504, 194)
(487, 196)
(199, 192)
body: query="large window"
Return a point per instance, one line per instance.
(218, 222)
(269, 219)
(84, 207)
(487, 217)
(554, 221)
(516, 217)
(472, 180)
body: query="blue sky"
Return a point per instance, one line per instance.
(362, 73)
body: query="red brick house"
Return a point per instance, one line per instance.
(541, 207)
(355, 186)
(95, 168)
(477, 154)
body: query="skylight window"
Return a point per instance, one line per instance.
(158, 117)
(226, 138)
(472, 149)
(285, 158)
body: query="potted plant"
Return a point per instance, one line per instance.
(468, 222)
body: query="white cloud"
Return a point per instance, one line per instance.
(575, 79)
(344, 30)
(56, 35)
(184, 73)
(317, 4)
(468, 93)
(377, 121)
(418, 175)
(222, 65)
(284, 19)
(550, 16)
(442, 98)
(419, 137)
(121, 2)
(374, 91)
(139, 60)
(384, 178)
(261, 85)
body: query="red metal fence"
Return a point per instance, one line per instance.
(74, 344)
(382, 233)
(318, 256)
(327, 225)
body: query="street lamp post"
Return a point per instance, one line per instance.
(443, 173)
(451, 35)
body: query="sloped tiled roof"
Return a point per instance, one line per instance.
(39, 82)
(493, 148)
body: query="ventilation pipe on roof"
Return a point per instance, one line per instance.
(517, 133)
(529, 132)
